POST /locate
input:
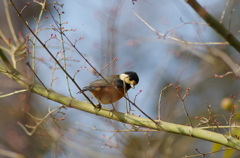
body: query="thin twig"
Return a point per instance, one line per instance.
(160, 99)
(64, 52)
(230, 16)
(224, 11)
(38, 121)
(42, 4)
(36, 75)
(159, 34)
(115, 59)
(182, 24)
(9, 20)
(208, 153)
(182, 98)
(12, 93)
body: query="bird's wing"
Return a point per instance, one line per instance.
(101, 83)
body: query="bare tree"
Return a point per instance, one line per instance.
(188, 86)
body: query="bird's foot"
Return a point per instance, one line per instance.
(98, 106)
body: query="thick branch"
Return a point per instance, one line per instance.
(126, 118)
(215, 25)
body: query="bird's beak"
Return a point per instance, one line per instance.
(132, 86)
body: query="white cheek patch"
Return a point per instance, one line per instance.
(123, 77)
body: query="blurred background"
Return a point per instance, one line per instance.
(103, 31)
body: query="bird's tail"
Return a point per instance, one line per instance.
(84, 89)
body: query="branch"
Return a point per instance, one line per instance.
(30, 129)
(7, 63)
(13, 93)
(10, 154)
(127, 118)
(159, 34)
(138, 121)
(214, 24)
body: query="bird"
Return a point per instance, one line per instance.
(116, 86)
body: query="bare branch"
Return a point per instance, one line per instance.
(215, 25)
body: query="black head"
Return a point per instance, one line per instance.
(130, 78)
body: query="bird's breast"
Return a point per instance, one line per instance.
(108, 95)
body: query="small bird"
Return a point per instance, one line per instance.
(113, 90)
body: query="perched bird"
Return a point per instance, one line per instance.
(113, 90)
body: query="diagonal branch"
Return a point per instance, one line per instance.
(215, 25)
